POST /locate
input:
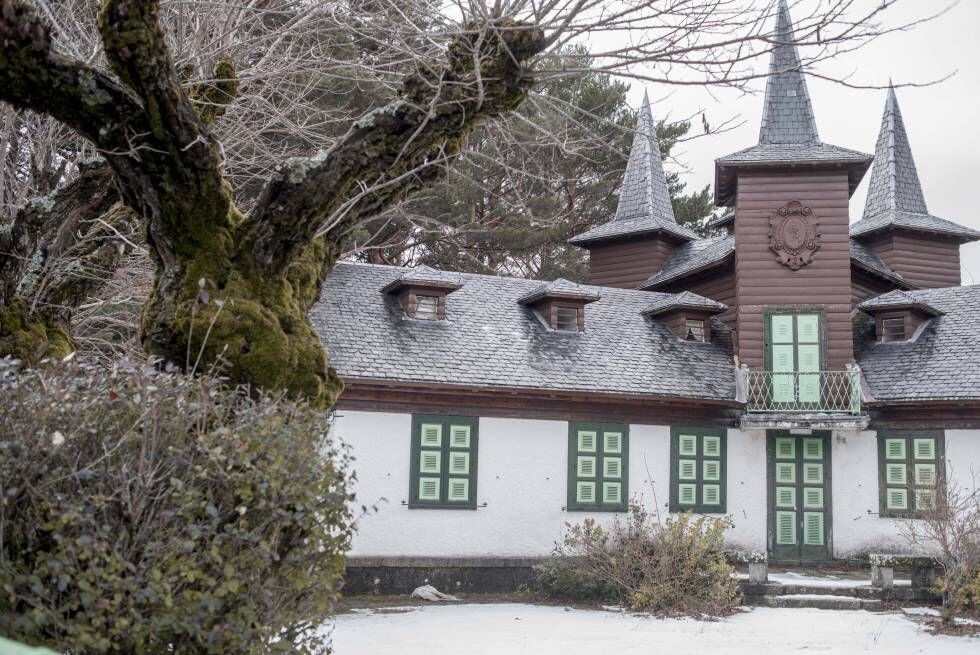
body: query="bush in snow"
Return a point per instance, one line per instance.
(675, 566)
(142, 512)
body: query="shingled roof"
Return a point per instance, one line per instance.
(490, 340)
(896, 299)
(560, 288)
(684, 300)
(942, 362)
(691, 258)
(895, 197)
(864, 257)
(788, 133)
(644, 201)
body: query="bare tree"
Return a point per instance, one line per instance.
(237, 286)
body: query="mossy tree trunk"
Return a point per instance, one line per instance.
(234, 291)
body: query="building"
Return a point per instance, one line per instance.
(815, 379)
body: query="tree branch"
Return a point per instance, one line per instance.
(396, 149)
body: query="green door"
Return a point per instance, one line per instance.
(793, 343)
(799, 495)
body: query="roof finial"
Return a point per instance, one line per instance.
(895, 185)
(788, 115)
(643, 192)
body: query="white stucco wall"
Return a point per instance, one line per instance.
(857, 527)
(522, 472)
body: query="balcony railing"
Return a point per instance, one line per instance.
(810, 392)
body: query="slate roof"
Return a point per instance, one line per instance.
(560, 288)
(684, 300)
(644, 201)
(490, 340)
(897, 298)
(942, 362)
(895, 197)
(691, 257)
(424, 275)
(788, 133)
(722, 219)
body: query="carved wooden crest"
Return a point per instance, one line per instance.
(793, 235)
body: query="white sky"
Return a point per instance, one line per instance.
(943, 121)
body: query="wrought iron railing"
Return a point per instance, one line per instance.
(818, 391)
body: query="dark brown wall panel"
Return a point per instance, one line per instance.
(627, 264)
(925, 260)
(864, 286)
(717, 284)
(764, 283)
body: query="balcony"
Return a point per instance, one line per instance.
(818, 399)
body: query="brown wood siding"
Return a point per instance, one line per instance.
(627, 264)
(717, 284)
(864, 286)
(764, 283)
(925, 260)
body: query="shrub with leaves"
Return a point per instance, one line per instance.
(142, 512)
(671, 567)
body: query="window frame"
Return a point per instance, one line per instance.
(600, 428)
(886, 337)
(910, 462)
(675, 457)
(577, 316)
(702, 327)
(434, 316)
(473, 422)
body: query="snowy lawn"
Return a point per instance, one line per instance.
(514, 629)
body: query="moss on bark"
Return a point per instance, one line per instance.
(31, 337)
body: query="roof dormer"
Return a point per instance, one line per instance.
(422, 292)
(897, 315)
(686, 314)
(561, 304)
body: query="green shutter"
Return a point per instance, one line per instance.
(785, 472)
(786, 528)
(925, 448)
(786, 497)
(813, 528)
(443, 469)
(925, 475)
(781, 328)
(808, 328)
(785, 448)
(896, 474)
(895, 449)
(897, 499)
(812, 473)
(697, 474)
(687, 494)
(813, 449)
(925, 499)
(598, 461)
(812, 498)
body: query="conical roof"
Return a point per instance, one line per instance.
(644, 200)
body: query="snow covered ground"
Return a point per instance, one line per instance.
(515, 629)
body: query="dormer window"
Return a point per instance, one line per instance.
(566, 319)
(686, 314)
(422, 292)
(427, 308)
(560, 304)
(893, 329)
(695, 329)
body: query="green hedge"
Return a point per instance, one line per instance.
(148, 513)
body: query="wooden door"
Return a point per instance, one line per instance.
(799, 496)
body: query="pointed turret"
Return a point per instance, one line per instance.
(787, 115)
(897, 225)
(788, 134)
(644, 201)
(642, 234)
(895, 197)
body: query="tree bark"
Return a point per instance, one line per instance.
(233, 293)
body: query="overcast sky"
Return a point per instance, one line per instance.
(943, 121)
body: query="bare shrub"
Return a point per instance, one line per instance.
(951, 530)
(142, 512)
(675, 566)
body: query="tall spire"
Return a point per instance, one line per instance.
(895, 185)
(643, 193)
(788, 115)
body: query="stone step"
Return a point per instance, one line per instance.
(814, 601)
(863, 592)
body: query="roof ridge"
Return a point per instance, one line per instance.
(787, 111)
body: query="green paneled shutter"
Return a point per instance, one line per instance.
(910, 462)
(697, 471)
(785, 448)
(598, 456)
(443, 468)
(813, 528)
(786, 528)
